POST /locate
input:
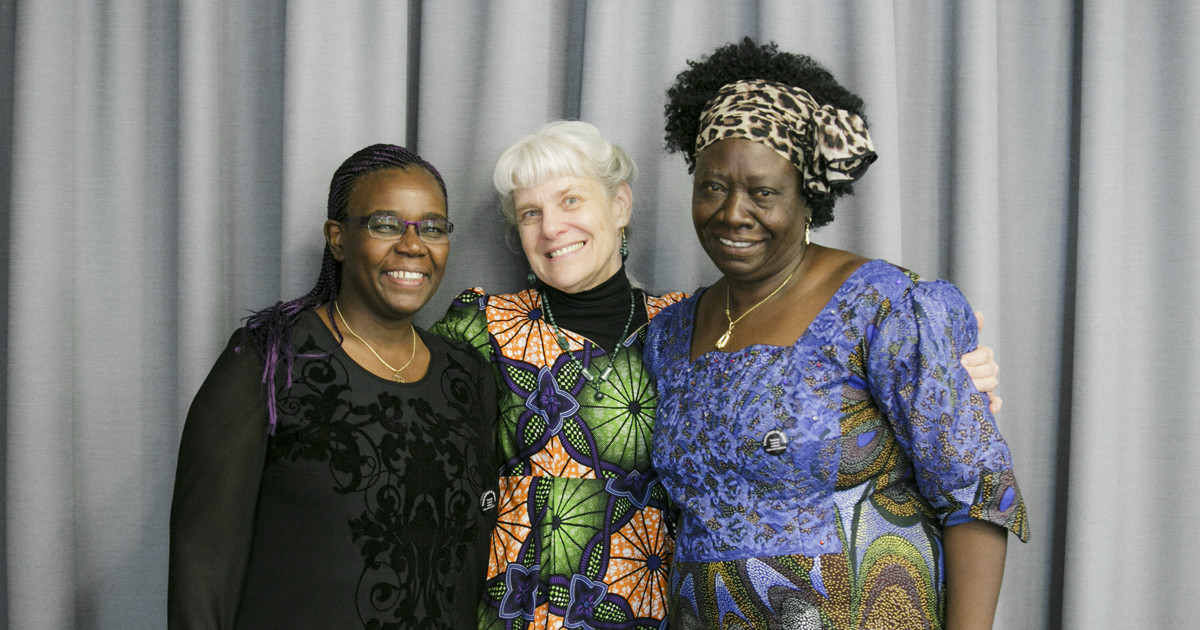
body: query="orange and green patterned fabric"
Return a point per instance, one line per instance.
(582, 537)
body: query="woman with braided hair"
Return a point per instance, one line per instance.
(337, 467)
(833, 464)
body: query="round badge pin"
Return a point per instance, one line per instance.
(487, 501)
(775, 442)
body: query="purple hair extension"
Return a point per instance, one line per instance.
(270, 329)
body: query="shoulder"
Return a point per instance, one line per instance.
(468, 298)
(495, 304)
(656, 303)
(242, 353)
(675, 311)
(937, 308)
(668, 336)
(465, 319)
(934, 298)
(460, 351)
(888, 279)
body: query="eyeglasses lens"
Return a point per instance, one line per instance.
(390, 228)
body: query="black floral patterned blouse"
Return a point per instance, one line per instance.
(370, 507)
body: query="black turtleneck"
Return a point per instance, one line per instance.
(598, 313)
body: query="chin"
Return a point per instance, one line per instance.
(563, 285)
(409, 304)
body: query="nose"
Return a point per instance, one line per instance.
(734, 209)
(553, 223)
(409, 243)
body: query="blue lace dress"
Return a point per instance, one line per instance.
(815, 480)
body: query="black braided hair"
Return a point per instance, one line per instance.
(744, 61)
(270, 329)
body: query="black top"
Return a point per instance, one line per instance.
(371, 506)
(599, 313)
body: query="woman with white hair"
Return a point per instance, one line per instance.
(582, 532)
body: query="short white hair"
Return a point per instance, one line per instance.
(559, 149)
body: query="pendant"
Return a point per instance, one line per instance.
(396, 376)
(724, 340)
(599, 395)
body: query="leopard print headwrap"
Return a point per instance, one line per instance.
(830, 146)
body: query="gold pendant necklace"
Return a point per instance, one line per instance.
(724, 340)
(395, 372)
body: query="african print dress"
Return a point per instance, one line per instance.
(815, 480)
(581, 539)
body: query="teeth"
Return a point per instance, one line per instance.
(566, 250)
(729, 243)
(406, 275)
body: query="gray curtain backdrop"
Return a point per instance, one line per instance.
(164, 166)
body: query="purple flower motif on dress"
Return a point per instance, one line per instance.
(522, 595)
(586, 595)
(551, 402)
(634, 487)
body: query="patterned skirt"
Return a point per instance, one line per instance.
(894, 592)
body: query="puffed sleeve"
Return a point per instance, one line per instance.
(652, 348)
(221, 456)
(666, 324)
(466, 321)
(963, 465)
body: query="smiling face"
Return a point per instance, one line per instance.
(748, 210)
(570, 230)
(392, 280)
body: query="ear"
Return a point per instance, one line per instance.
(334, 233)
(623, 204)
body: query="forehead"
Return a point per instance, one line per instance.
(396, 190)
(741, 157)
(556, 187)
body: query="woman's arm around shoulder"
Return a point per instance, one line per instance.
(217, 478)
(467, 321)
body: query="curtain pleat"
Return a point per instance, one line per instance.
(168, 172)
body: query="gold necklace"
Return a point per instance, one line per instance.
(724, 340)
(395, 373)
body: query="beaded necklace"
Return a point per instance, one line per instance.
(563, 343)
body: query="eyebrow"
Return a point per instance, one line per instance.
(575, 189)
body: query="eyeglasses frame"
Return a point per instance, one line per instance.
(365, 222)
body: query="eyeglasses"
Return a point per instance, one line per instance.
(386, 227)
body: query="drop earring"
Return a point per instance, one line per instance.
(624, 246)
(807, 225)
(531, 277)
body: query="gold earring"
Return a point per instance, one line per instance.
(807, 225)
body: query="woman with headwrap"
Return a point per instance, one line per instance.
(337, 468)
(834, 466)
(583, 536)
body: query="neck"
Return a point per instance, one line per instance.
(381, 332)
(600, 313)
(615, 285)
(745, 294)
